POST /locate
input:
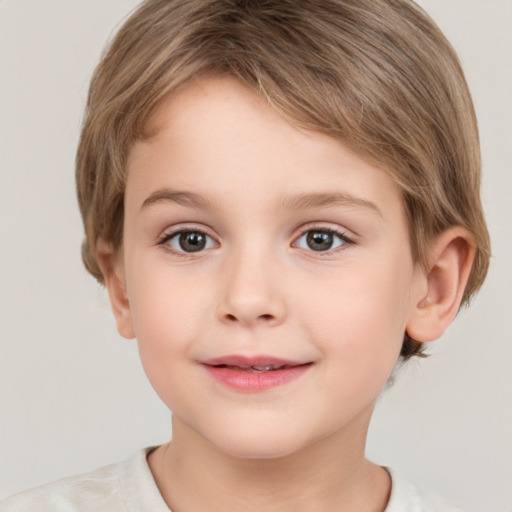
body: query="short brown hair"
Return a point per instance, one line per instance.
(377, 74)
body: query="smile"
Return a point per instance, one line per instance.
(268, 368)
(255, 374)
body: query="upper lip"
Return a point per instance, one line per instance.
(248, 361)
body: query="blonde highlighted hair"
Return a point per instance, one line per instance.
(377, 74)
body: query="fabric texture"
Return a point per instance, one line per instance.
(129, 487)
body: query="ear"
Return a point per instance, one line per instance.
(112, 268)
(450, 261)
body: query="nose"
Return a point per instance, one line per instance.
(251, 292)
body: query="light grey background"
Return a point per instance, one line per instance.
(73, 395)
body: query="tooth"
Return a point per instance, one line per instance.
(264, 368)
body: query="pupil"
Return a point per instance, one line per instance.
(192, 241)
(319, 240)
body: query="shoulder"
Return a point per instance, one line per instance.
(407, 497)
(91, 491)
(122, 487)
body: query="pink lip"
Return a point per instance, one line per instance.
(236, 372)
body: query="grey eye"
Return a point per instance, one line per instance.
(190, 241)
(320, 240)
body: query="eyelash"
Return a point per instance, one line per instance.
(332, 231)
(166, 237)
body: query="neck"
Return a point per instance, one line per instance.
(331, 474)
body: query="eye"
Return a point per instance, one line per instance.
(321, 240)
(188, 241)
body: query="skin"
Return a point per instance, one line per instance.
(258, 288)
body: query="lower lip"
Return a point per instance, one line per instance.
(255, 382)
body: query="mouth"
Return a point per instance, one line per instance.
(254, 374)
(253, 369)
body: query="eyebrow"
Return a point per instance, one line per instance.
(325, 199)
(292, 202)
(182, 198)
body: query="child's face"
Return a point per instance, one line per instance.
(245, 237)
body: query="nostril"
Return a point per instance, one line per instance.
(265, 317)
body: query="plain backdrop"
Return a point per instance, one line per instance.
(73, 395)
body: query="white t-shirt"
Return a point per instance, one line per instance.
(129, 487)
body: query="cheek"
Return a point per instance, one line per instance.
(168, 313)
(166, 302)
(358, 319)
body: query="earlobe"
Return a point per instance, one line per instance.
(450, 262)
(113, 273)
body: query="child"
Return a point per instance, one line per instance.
(282, 199)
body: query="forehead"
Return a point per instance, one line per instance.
(215, 136)
(213, 110)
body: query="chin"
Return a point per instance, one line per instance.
(261, 450)
(258, 443)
